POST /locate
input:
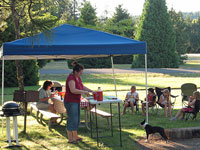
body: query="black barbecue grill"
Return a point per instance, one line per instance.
(11, 109)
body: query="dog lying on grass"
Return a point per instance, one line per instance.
(153, 129)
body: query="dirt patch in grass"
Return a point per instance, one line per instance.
(155, 143)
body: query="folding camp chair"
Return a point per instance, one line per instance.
(193, 114)
(187, 90)
(135, 105)
(153, 108)
(159, 92)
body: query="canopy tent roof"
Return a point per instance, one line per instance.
(71, 42)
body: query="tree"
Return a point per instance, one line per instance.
(120, 14)
(121, 24)
(88, 15)
(195, 36)
(58, 8)
(123, 28)
(74, 9)
(182, 37)
(88, 19)
(155, 27)
(27, 16)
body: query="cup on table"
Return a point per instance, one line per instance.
(95, 95)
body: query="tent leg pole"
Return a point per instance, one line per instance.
(2, 80)
(119, 119)
(147, 108)
(114, 76)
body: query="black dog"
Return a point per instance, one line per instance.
(151, 130)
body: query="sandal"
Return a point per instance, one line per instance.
(79, 139)
(73, 142)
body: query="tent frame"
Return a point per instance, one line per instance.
(119, 118)
(59, 55)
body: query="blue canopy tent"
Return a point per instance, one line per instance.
(71, 42)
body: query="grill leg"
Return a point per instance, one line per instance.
(15, 130)
(8, 130)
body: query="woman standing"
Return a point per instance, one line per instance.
(74, 90)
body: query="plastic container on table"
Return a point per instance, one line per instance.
(99, 94)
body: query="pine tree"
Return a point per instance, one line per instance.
(155, 27)
(88, 15)
(88, 19)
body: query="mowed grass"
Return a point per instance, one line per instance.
(59, 64)
(39, 137)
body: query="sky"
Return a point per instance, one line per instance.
(135, 7)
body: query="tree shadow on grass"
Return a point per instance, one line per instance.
(106, 142)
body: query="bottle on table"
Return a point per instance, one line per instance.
(99, 94)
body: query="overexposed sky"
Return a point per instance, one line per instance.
(135, 7)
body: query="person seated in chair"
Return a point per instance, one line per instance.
(131, 99)
(150, 98)
(190, 107)
(165, 102)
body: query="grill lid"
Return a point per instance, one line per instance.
(10, 105)
(11, 108)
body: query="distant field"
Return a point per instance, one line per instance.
(124, 81)
(193, 61)
(59, 64)
(122, 66)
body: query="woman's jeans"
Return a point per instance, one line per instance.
(73, 119)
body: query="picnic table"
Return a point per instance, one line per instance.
(106, 100)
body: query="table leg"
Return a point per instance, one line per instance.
(111, 119)
(97, 131)
(86, 118)
(90, 123)
(120, 130)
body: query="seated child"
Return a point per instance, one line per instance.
(196, 96)
(151, 97)
(165, 102)
(131, 98)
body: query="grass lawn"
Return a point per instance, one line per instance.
(38, 137)
(59, 64)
